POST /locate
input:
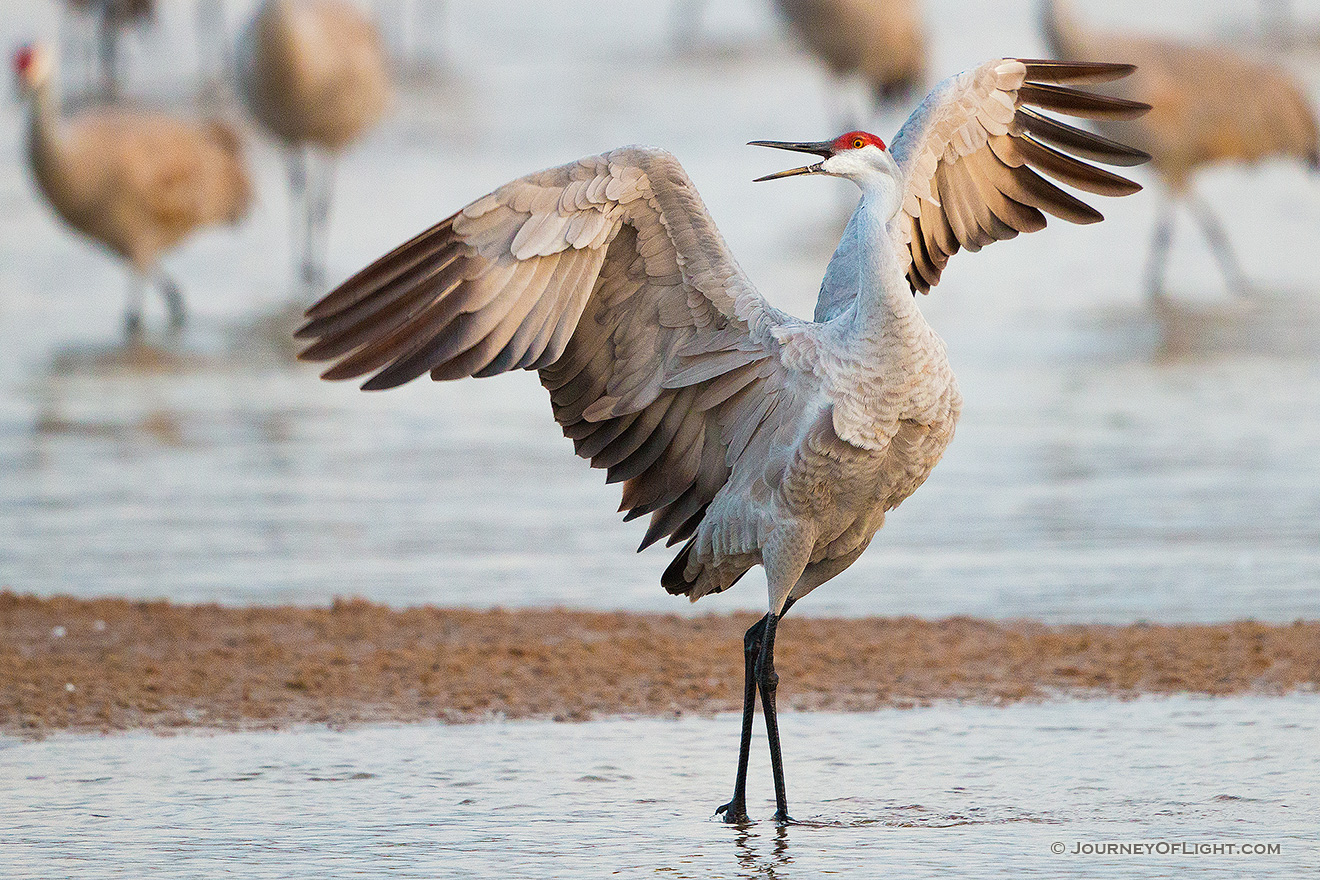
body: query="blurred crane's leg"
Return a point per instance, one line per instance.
(1220, 247)
(320, 194)
(212, 46)
(108, 53)
(1159, 249)
(300, 232)
(173, 295)
(1277, 22)
(137, 285)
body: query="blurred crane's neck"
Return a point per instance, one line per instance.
(44, 129)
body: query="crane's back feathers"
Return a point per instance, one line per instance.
(971, 151)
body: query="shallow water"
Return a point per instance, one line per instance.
(1113, 463)
(913, 793)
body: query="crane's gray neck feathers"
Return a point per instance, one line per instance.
(865, 278)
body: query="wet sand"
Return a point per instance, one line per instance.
(113, 664)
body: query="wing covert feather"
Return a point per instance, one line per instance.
(609, 278)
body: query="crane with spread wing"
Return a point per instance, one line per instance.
(749, 436)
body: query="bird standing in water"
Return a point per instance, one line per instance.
(136, 183)
(750, 436)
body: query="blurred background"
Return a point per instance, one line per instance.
(1120, 457)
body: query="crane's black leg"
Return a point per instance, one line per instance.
(768, 681)
(1223, 251)
(735, 811)
(1159, 250)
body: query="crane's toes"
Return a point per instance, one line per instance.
(782, 818)
(733, 813)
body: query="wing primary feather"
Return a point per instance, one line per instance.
(1073, 172)
(383, 270)
(1047, 70)
(1076, 141)
(1040, 193)
(1075, 102)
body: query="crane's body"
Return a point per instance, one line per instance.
(313, 73)
(882, 41)
(748, 435)
(1209, 105)
(136, 183)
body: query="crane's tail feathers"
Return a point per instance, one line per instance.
(678, 580)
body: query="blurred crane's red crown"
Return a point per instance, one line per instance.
(23, 59)
(855, 140)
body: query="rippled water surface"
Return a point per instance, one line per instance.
(935, 792)
(1114, 462)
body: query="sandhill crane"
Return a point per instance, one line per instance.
(881, 41)
(314, 74)
(751, 436)
(111, 17)
(136, 183)
(1209, 105)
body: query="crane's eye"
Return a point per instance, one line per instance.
(858, 143)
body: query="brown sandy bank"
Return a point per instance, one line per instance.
(112, 664)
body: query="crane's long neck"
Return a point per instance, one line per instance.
(45, 145)
(867, 268)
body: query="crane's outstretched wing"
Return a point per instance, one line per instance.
(969, 151)
(608, 277)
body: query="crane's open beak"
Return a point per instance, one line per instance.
(820, 148)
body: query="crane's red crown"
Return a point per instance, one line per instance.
(23, 59)
(855, 140)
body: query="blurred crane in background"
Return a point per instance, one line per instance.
(1210, 105)
(137, 183)
(313, 73)
(883, 42)
(880, 42)
(748, 435)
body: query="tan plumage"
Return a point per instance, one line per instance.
(1209, 105)
(313, 73)
(137, 183)
(882, 41)
(753, 436)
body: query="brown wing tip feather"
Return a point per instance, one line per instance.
(1054, 71)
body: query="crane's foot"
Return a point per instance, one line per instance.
(734, 813)
(782, 818)
(132, 327)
